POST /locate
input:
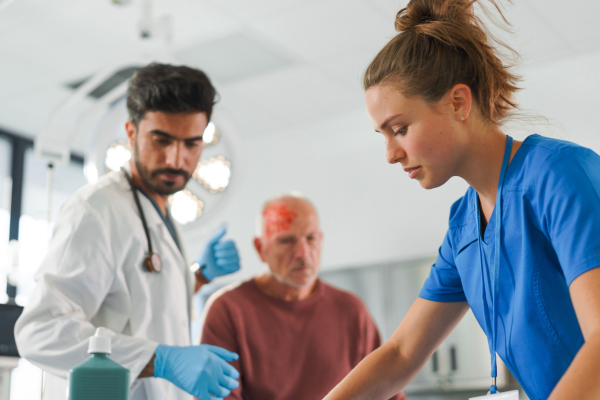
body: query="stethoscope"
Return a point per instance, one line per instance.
(152, 261)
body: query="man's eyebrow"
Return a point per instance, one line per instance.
(285, 237)
(168, 135)
(387, 121)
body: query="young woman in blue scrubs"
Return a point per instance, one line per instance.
(523, 244)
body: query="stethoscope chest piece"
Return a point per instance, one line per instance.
(152, 262)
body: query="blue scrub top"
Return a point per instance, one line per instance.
(550, 236)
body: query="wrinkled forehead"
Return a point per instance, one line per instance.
(288, 215)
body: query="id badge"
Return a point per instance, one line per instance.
(512, 395)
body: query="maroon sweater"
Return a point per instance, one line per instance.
(289, 350)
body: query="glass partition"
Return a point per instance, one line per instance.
(5, 181)
(35, 228)
(35, 231)
(5, 191)
(66, 179)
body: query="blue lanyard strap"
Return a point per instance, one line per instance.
(497, 251)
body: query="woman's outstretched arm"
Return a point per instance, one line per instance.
(390, 368)
(581, 379)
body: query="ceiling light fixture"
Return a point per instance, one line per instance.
(185, 207)
(117, 155)
(211, 134)
(214, 174)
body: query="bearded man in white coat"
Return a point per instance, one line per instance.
(97, 274)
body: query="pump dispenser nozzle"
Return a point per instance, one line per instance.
(100, 342)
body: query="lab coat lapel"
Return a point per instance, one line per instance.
(189, 275)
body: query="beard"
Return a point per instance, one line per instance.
(290, 282)
(152, 180)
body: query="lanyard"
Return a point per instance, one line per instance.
(497, 251)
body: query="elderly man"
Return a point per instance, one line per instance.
(297, 337)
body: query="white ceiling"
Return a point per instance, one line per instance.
(288, 72)
(305, 66)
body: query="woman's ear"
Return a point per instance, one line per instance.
(461, 99)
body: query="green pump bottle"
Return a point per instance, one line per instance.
(99, 377)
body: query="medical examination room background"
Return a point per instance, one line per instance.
(290, 117)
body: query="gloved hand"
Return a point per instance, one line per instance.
(219, 257)
(199, 370)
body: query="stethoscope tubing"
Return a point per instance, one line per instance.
(142, 216)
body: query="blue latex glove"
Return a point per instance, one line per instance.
(219, 257)
(199, 370)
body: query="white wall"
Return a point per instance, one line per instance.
(370, 211)
(567, 91)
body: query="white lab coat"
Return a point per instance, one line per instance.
(93, 276)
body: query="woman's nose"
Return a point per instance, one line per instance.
(394, 152)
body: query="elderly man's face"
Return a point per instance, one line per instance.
(291, 241)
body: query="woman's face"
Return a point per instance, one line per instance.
(425, 139)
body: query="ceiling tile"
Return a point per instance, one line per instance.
(30, 112)
(247, 11)
(250, 117)
(22, 12)
(80, 38)
(69, 55)
(234, 57)
(327, 29)
(301, 94)
(196, 21)
(18, 75)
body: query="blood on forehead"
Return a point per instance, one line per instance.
(277, 218)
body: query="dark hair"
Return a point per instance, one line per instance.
(442, 43)
(171, 89)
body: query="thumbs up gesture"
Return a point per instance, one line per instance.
(219, 257)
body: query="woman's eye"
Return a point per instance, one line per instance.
(400, 131)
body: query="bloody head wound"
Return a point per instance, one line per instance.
(277, 218)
